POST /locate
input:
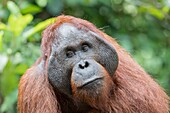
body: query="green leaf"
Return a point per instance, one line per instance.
(1, 35)
(37, 28)
(3, 60)
(18, 23)
(158, 13)
(9, 79)
(155, 12)
(165, 9)
(30, 8)
(2, 26)
(13, 8)
(41, 3)
(9, 101)
(20, 69)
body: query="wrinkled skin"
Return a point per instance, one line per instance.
(80, 63)
(83, 70)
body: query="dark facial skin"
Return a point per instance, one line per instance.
(79, 60)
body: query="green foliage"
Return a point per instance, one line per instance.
(141, 27)
(9, 101)
(16, 36)
(40, 26)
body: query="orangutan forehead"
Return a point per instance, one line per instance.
(69, 32)
(66, 29)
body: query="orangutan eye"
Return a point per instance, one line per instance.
(70, 53)
(85, 47)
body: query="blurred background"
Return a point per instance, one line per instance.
(142, 27)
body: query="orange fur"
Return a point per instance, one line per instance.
(134, 91)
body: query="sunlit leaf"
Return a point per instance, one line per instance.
(13, 8)
(18, 23)
(3, 26)
(153, 11)
(165, 9)
(30, 8)
(38, 27)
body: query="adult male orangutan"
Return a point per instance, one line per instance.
(83, 70)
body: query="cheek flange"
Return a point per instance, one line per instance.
(58, 76)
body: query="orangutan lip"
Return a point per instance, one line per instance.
(91, 80)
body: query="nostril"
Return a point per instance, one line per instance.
(83, 65)
(86, 64)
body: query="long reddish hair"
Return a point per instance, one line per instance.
(135, 91)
